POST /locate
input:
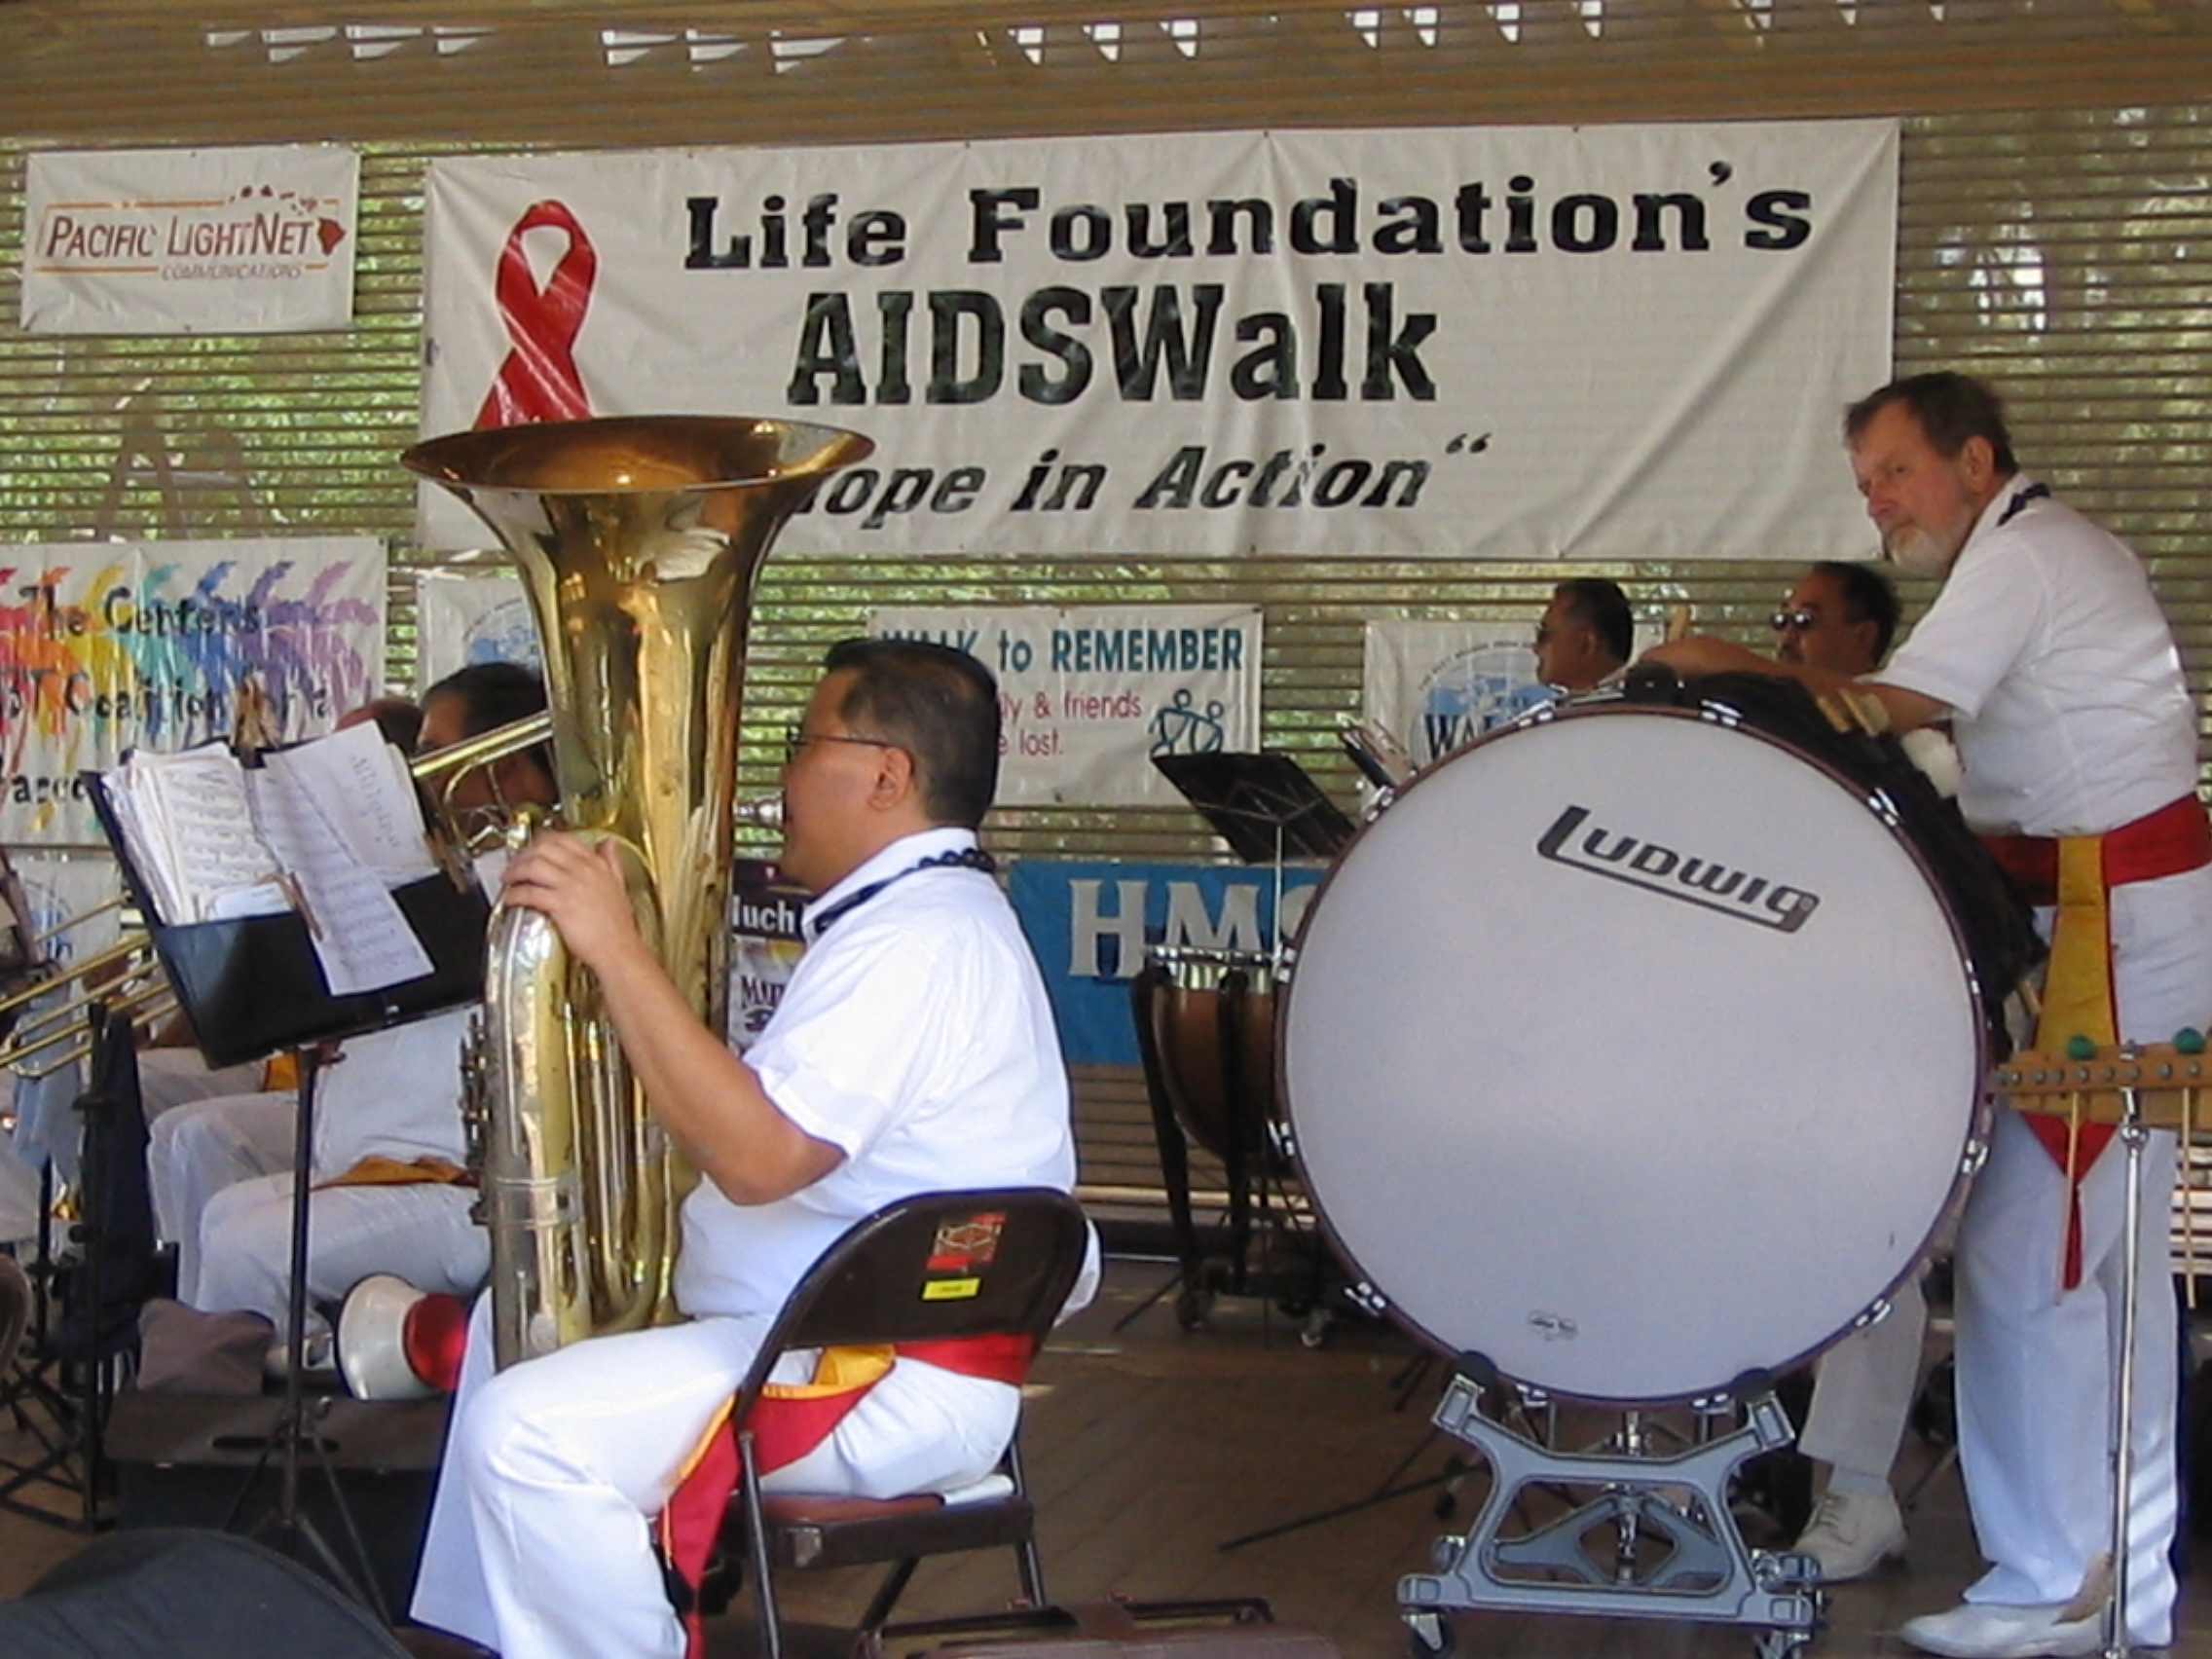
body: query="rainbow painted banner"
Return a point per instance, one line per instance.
(119, 646)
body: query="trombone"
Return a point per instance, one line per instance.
(127, 978)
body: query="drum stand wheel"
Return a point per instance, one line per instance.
(1656, 1541)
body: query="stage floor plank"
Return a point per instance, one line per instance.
(1151, 1447)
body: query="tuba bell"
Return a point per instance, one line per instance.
(639, 542)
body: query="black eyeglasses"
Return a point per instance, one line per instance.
(1781, 621)
(796, 737)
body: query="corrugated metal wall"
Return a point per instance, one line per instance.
(2057, 251)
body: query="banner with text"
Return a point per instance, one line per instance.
(1088, 696)
(108, 646)
(253, 240)
(1437, 685)
(1092, 923)
(1515, 342)
(467, 616)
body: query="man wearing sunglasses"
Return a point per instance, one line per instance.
(2048, 653)
(1584, 636)
(1839, 618)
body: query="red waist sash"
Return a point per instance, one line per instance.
(2176, 838)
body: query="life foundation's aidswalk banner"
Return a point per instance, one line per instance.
(1524, 343)
(1088, 696)
(109, 646)
(251, 240)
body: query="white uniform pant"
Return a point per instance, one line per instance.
(2037, 1377)
(197, 1149)
(540, 1544)
(1863, 1389)
(421, 1232)
(2036, 1366)
(169, 1078)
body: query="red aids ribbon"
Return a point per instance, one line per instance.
(540, 380)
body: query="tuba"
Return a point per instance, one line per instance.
(639, 542)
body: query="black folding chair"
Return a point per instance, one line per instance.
(931, 1268)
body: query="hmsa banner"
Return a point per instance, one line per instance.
(1524, 343)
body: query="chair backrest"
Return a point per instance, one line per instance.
(932, 1266)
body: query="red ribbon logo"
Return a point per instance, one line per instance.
(540, 380)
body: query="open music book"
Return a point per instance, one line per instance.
(327, 827)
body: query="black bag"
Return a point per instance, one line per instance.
(184, 1593)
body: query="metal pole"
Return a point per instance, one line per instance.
(2133, 1135)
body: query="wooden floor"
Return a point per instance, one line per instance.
(1151, 1447)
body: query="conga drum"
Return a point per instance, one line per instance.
(1206, 1031)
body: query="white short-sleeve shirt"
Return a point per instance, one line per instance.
(914, 1035)
(2073, 716)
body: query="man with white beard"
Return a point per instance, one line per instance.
(2048, 653)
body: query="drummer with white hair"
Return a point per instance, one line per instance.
(2047, 650)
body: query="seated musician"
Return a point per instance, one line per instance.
(1585, 635)
(389, 1137)
(2047, 650)
(1840, 618)
(913, 1050)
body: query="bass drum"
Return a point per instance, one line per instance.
(1633, 1050)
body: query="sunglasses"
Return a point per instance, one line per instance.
(1781, 621)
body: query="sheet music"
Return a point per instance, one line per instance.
(359, 934)
(374, 808)
(328, 828)
(189, 830)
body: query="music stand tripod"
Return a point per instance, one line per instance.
(288, 1526)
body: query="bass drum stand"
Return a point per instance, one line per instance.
(1657, 1539)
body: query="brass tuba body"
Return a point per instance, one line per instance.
(639, 542)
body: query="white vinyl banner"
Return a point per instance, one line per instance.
(1517, 343)
(254, 241)
(1437, 685)
(1088, 696)
(467, 616)
(108, 646)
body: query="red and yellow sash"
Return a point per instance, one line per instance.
(2075, 874)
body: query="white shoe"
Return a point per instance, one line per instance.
(1853, 1532)
(1989, 1630)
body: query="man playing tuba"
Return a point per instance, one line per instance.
(914, 1052)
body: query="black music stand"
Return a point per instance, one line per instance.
(249, 987)
(1264, 805)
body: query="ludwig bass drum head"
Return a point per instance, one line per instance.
(1631, 1051)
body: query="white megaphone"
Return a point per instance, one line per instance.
(398, 1343)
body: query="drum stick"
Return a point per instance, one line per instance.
(1677, 623)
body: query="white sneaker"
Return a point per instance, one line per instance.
(1853, 1532)
(1990, 1630)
